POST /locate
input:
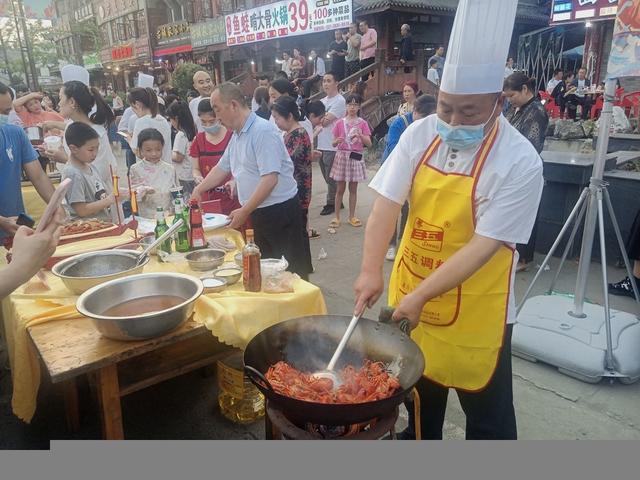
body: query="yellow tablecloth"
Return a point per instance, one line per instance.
(33, 204)
(233, 316)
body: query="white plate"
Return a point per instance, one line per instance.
(211, 221)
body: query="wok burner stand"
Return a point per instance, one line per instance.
(279, 427)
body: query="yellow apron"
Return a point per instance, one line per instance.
(461, 332)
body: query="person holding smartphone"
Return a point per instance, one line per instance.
(350, 135)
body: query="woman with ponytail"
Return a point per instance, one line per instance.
(144, 103)
(80, 103)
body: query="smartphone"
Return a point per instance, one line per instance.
(26, 220)
(54, 204)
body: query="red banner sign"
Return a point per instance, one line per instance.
(122, 52)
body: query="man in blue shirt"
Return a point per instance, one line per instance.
(260, 164)
(423, 106)
(16, 153)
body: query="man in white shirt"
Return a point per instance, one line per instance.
(555, 81)
(432, 74)
(259, 162)
(203, 84)
(508, 69)
(286, 64)
(473, 184)
(335, 108)
(318, 73)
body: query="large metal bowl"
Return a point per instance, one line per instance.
(86, 270)
(94, 302)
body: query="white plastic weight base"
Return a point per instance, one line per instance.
(546, 332)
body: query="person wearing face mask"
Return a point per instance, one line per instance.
(474, 184)
(16, 154)
(206, 150)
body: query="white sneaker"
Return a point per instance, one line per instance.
(391, 254)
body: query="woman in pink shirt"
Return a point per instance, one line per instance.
(30, 111)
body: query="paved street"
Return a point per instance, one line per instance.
(549, 405)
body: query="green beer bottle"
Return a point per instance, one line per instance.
(161, 227)
(182, 236)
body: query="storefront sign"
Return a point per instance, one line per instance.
(176, 33)
(286, 19)
(208, 33)
(624, 60)
(564, 11)
(122, 52)
(92, 62)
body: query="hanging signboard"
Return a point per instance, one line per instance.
(208, 33)
(564, 11)
(287, 19)
(624, 60)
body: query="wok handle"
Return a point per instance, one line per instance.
(257, 377)
(385, 317)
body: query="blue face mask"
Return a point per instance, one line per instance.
(4, 120)
(462, 137)
(212, 129)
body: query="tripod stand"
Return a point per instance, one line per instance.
(590, 208)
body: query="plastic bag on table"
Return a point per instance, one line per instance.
(281, 282)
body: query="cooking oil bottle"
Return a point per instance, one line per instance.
(240, 401)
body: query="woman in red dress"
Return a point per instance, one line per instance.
(207, 149)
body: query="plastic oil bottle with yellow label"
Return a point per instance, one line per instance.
(239, 400)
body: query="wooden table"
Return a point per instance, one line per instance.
(72, 348)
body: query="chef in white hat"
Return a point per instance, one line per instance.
(473, 185)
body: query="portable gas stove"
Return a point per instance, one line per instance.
(279, 427)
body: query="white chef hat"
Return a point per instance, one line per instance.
(144, 80)
(478, 46)
(75, 72)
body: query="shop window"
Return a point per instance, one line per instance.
(207, 9)
(142, 23)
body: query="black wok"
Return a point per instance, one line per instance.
(308, 343)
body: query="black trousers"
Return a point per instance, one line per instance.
(572, 105)
(633, 242)
(279, 230)
(308, 84)
(351, 67)
(364, 64)
(490, 413)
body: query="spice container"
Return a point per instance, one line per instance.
(239, 400)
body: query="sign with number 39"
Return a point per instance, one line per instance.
(287, 18)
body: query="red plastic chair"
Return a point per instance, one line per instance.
(631, 104)
(596, 109)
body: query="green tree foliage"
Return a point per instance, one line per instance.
(183, 78)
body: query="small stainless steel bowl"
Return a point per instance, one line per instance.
(205, 259)
(213, 284)
(230, 274)
(94, 302)
(238, 258)
(86, 270)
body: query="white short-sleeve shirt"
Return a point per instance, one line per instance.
(337, 106)
(181, 145)
(159, 123)
(193, 106)
(508, 191)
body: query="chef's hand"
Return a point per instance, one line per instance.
(410, 307)
(238, 217)
(368, 288)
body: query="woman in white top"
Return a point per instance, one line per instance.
(180, 117)
(144, 103)
(282, 87)
(77, 101)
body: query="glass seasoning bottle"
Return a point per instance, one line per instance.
(195, 221)
(182, 235)
(251, 276)
(161, 227)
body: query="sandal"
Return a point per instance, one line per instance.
(335, 223)
(355, 222)
(313, 233)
